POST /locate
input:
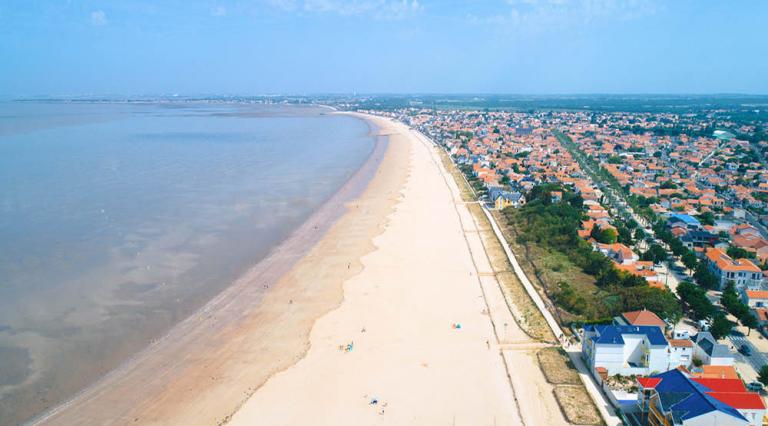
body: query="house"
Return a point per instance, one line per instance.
(680, 352)
(503, 199)
(699, 238)
(556, 196)
(619, 253)
(755, 298)
(676, 398)
(742, 272)
(643, 317)
(625, 349)
(709, 351)
(683, 220)
(715, 372)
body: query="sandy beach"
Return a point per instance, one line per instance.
(389, 314)
(409, 363)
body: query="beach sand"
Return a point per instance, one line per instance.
(394, 277)
(400, 314)
(208, 365)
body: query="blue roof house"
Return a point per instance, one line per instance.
(684, 220)
(625, 349)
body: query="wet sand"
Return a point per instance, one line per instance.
(208, 365)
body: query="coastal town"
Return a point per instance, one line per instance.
(645, 233)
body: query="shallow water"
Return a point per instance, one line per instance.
(118, 220)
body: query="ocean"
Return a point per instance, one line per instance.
(118, 220)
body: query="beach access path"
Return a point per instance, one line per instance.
(419, 336)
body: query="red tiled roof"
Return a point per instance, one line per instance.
(757, 294)
(648, 382)
(740, 400)
(683, 343)
(643, 317)
(722, 385)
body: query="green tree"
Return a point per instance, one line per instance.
(704, 277)
(659, 301)
(655, 253)
(739, 253)
(721, 326)
(763, 376)
(668, 184)
(689, 259)
(749, 321)
(696, 299)
(605, 236)
(707, 218)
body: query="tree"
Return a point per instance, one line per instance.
(763, 376)
(668, 184)
(639, 234)
(659, 301)
(704, 277)
(689, 259)
(739, 253)
(678, 249)
(749, 321)
(729, 299)
(707, 218)
(696, 299)
(721, 326)
(655, 253)
(624, 235)
(605, 236)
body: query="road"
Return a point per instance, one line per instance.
(756, 358)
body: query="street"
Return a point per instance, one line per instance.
(756, 358)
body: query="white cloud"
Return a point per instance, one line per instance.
(536, 16)
(99, 18)
(380, 9)
(219, 11)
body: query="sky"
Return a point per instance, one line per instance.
(253, 47)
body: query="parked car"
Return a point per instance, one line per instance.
(745, 350)
(755, 386)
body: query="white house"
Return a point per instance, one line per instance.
(680, 353)
(755, 298)
(706, 348)
(625, 349)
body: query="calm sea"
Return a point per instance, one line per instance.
(119, 220)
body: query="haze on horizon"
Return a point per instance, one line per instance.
(90, 47)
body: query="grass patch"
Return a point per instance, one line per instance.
(577, 405)
(557, 368)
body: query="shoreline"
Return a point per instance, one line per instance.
(222, 321)
(417, 338)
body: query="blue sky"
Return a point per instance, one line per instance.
(60, 47)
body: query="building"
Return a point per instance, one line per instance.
(706, 348)
(680, 352)
(503, 199)
(676, 398)
(688, 222)
(619, 253)
(625, 349)
(755, 298)
(742, 272)
(643, 317)
(699, 238)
